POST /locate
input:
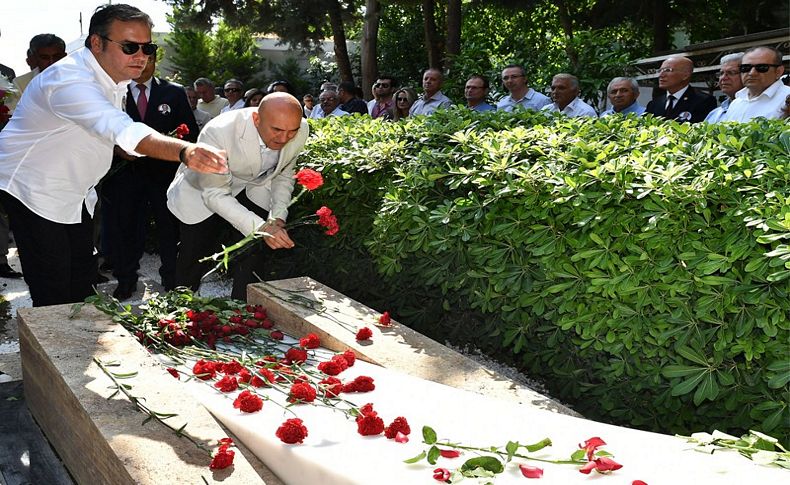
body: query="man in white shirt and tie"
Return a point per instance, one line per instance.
(59, 145)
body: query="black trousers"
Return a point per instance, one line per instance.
(57, 259)
(129, 197)
(206, 238)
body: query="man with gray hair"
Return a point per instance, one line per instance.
(209, 101)
(622, 93)
(432, 97)
(764, 93)
(565, 97)
(729, 83)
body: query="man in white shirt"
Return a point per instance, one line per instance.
(263, 145)
(514, 79)
(209, 101)
(432, 97)
(201, 117)
(59, 145)
(729, 83)
(764, 93)
(329, 104)
(565, 97)
(234, 91)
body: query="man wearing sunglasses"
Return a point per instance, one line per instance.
(764, 93)
(382, 100)
(234, 91)
(59, 145)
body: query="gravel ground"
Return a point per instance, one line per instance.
(16, 292)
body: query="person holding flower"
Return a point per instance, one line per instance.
(59, 144)
(137, 187)
(263, 144)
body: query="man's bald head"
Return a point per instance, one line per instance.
(278, 119)
(675, 73)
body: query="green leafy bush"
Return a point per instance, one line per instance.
(640, 267)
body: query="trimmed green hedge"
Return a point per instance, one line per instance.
(641, 268)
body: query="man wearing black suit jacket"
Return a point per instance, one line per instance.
(138, 188)
(681, 102)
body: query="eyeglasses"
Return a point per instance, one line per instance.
(514, 76)
(232, 90)
(760, 67)
(401, 99)
(381, 85)
(667, 69)
(131, 48)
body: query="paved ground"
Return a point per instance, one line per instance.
(16, 292)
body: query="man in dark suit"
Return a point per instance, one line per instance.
(135, 190)
(681, 102)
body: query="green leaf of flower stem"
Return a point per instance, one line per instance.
(578, 455)
(416, 458)
(485, 462)
(539, 445)
(428, 435)
(433, 455)
(511, 448)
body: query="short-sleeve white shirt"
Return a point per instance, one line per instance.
(767, 105)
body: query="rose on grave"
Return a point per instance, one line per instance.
(292, 431)
(441, 474)
(364, 333)
(224, 457)
(591, 445)
(248, 402)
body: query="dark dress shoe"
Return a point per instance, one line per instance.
(125, 290)
(7, 271)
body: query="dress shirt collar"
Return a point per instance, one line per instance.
(678, 94)
(769, 92)
(101, 75)
(634, 107)
(528, 95)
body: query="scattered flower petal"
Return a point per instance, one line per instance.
(531, 471)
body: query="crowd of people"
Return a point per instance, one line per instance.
(99, 125)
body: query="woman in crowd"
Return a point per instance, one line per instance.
(281, 86)
(404, 98)
(253, 97)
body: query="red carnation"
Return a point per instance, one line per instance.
(332, 386)
(266, 375)
(230, 368)
(591, 445)
(360, 384)
(327, 220)
(385, 319)
(531, 471)
(638, 482)
(248, 402)
(174, 373)
(601, 465)
(364, 334)
(292, 431)
(204, 369)
(227, 384)
(277, 335)
(399, 425)
(370, 425)
(182, 130)
(301, 392)
(245, 377)
(310, 341)
(309, 179)
(224, 456)
(350, 357)
(330, 367)
(296, 356)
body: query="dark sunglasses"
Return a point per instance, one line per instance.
(401, 99)
(131, 48)
(760, 67)
(381, 85)
(232, 90)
